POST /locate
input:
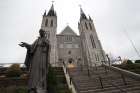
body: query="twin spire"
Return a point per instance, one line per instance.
(53, 13)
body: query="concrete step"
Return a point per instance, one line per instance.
(112, 81)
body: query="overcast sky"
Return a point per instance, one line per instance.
(20, 20)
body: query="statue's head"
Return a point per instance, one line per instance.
(42, 33)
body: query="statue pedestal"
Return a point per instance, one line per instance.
(39, 90)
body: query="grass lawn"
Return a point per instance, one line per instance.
(14, 89)
(56, 82)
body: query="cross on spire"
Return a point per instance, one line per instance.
(80, 5)
(67, 23)
(89, 18)
(81, 10)
(52, 1)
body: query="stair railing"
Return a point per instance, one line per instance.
(69, 80)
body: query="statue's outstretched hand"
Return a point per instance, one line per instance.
(23, 44)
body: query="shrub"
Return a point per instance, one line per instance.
(14, 89)
(21, 90)
(51, 80)
(137, 61)
(129, 62)
(14, 71)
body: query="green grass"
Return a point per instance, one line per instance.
(22, 90)
(56, 84)
(14, 89)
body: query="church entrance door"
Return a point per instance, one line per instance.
(71, 63)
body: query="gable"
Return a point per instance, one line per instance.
(68, 31)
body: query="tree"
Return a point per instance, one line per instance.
(129, 62)
(14, 71)
(137, 61)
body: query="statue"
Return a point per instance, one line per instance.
(36, 61)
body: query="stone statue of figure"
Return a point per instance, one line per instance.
(37, 63)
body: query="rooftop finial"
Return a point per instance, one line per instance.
(67, 23)
(80, 5)
(44, 13)
(81, 11)
(90, 18)
(52, 1)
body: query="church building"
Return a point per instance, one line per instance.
(68, 47)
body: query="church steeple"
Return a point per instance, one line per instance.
(92, 49)
(82, 14)
(49, 19)
(49, 25)
(51, 11)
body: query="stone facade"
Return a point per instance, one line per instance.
(68, 47)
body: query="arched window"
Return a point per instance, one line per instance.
(70, 38)
(92, 41)
(86, 25)
(97, 57)
(90, 26)
(46, 22)
(48, 35)
(51, 23)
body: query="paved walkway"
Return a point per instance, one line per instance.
(101, 80)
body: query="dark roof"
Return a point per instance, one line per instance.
(51, 11)
(82, 14)
(68, 31)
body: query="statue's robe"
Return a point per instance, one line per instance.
(37, 61)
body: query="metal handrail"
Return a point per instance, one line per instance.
(70, 78)
(124, 72)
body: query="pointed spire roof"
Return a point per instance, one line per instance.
(90, 18)
(51, 11)
(44, 13)
(68, 31)
(52, 7)
(82, 14)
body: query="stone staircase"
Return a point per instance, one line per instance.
(102, 80)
